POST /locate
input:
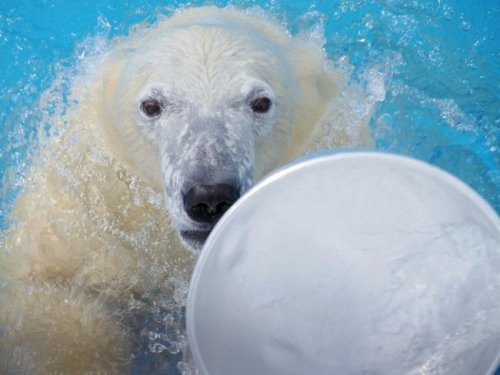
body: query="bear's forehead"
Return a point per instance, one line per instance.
(205, 58)
(209, 47)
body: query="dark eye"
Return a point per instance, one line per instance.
(261, 105)
(151, 107)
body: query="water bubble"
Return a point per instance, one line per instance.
(173, 348)
(168, 319)
(157, 347)
(465, 25)
(385, 121)
(187, 368)
(120, 174)
(369, 21)
(311, 26)
(376, 85)
(152, 335)
(103, 23)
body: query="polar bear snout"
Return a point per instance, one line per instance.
(207, 203)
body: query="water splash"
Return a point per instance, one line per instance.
(421, 72)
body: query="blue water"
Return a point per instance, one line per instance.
(441, 60)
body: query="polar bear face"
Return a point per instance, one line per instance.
(207, 146)
(210, 109)
(202, 110)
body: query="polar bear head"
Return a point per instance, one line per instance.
(208, 101)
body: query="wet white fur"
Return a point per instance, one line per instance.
(206, 66)
(91, 235)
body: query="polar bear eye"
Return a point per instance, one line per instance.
(151, 107)
(261, 105)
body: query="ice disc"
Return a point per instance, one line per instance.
(350, 263)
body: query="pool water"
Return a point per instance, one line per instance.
(439, 61)
(431, 66)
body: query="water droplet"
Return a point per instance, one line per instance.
(385, 121)
(465, 25)
(156, 348)
(120, 174)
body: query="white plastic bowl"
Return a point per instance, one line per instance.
(350, 263)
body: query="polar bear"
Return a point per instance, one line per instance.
(175, 123)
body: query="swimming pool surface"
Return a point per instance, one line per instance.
(432, 66)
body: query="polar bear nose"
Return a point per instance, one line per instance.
(207, 203)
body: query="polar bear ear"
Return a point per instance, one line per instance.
(113, 66)
(113, 112)
(319, 84)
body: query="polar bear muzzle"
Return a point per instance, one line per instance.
(207, 203)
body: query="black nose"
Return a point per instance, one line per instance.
(207, 203)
